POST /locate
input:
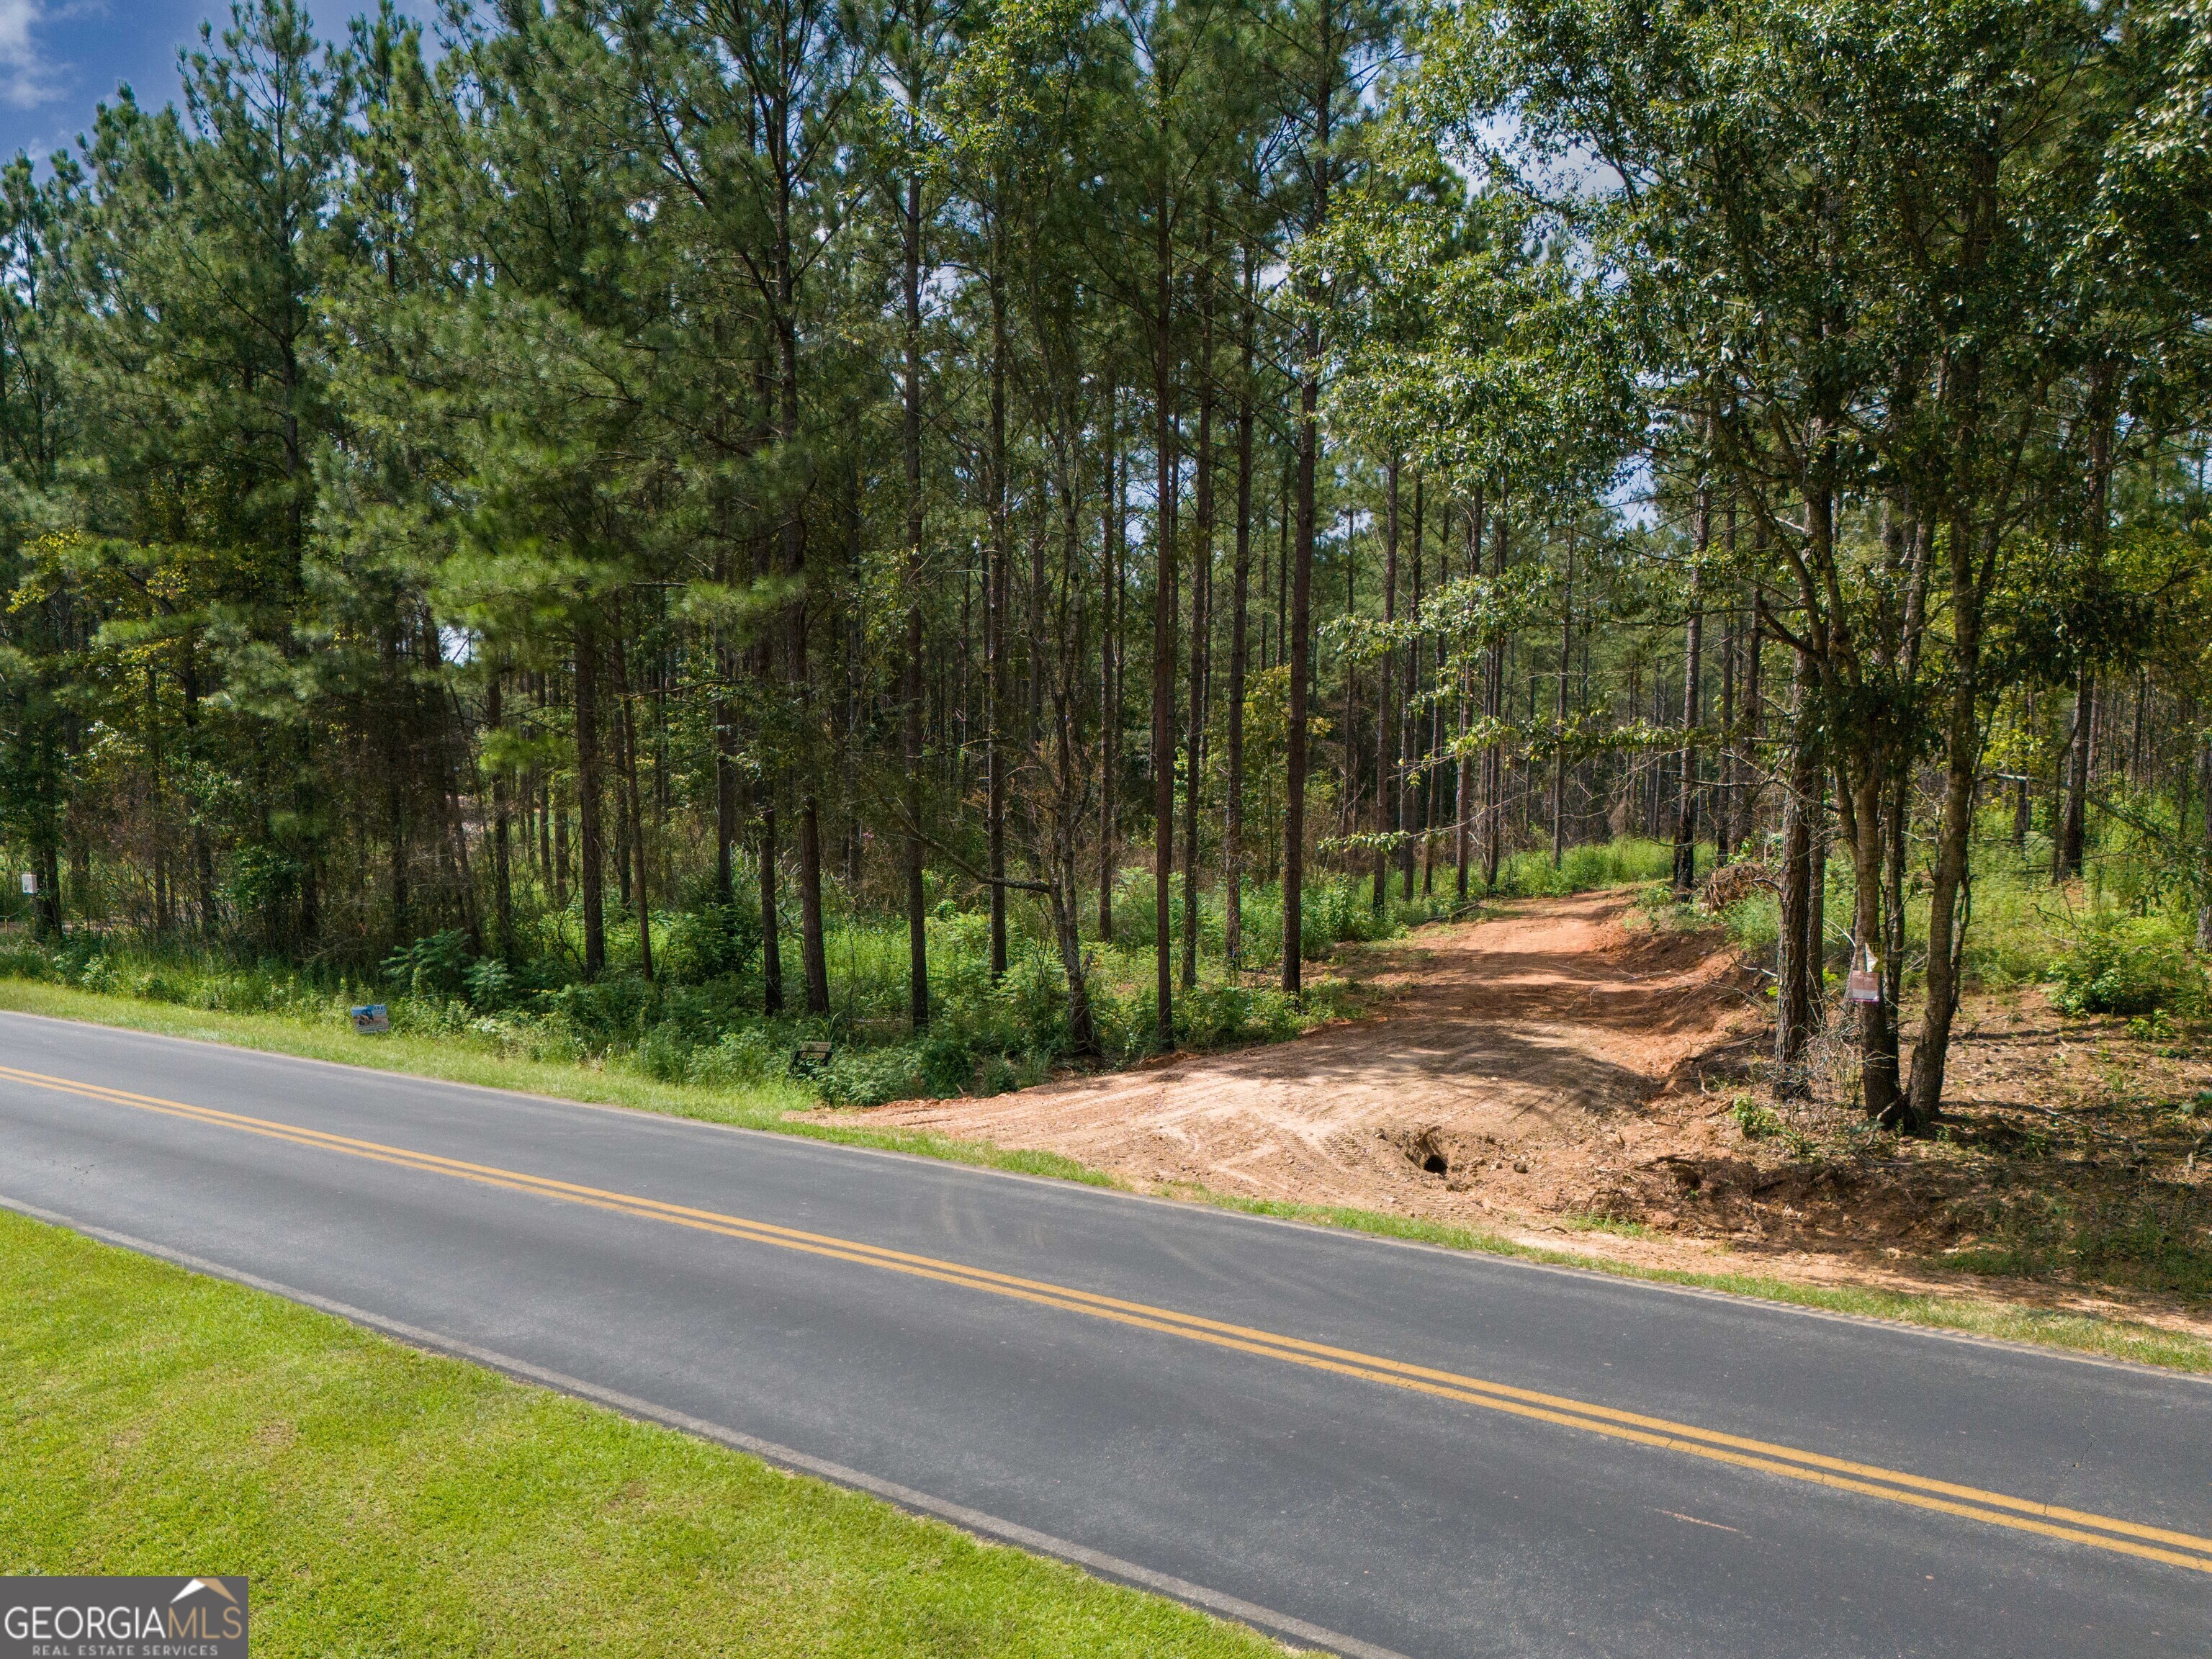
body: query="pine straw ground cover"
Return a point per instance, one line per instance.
(2072, 1151)
(385, 1502)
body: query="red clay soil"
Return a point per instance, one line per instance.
(1560, 1062)
(1516, 1060)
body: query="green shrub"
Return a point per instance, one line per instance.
(714, 941)
(871, 1077)
(754, 1054)
(2124, 966)
(433, 966)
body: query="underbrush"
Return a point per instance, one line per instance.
(701, 1022)
(2104, 944)
(1585, 869)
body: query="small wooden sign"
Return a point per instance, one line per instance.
(809, 1058)
(371, 1019)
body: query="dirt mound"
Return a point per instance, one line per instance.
(1518, 1066)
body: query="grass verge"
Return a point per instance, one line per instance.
(767, 1108)
(759, 1106)
(385, 1501)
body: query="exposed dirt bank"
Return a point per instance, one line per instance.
(1564, 1063)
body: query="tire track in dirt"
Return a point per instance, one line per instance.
(1513, 1067)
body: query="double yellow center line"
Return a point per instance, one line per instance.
(2161, 1544)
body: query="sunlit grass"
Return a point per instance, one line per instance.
(385, 1501)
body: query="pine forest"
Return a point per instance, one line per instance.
(997, 534)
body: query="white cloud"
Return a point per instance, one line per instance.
(26, 78)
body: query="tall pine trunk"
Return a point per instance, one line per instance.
(1232, 873)
(997, 585)
(641, 887)
(1298, 639)
(1201, 628)
(1164, 627)
(1797, 960)
(1493, 707)
(1559, 721)
(592, 852)
(1693, 636)
(503, 887)
(1112, 603)
(1386, 758)
(917, 921)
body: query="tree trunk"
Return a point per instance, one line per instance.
(502, 888)
(1298, 639)
(1724, 785)
(1864, 808)
(1493, 707)
(1560, 755)
(1386, 760)
(1163, 630)
(814, 957)
(1112, 603)
(1201, 631)
(1297, 643)
(591, 875)
(1464, 782)
(727, 814)
(1693, 634)
(1796, 962)
(1232, 872)
(997, 585)
(2204, 903)
(1951, 895)
(2072, 836)
(1750, 717)
(917, 920)
(771, 925)
(641, 887)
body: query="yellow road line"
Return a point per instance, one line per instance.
(1919, 1491)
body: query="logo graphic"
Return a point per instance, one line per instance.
(77, 1617)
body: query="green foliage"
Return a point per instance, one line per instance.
(433, 966)
(1761, 1122)
(2117, 965)
(1583, 869)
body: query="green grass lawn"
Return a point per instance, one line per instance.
(386, 1502)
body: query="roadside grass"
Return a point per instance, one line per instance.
(748, 1106)
(385, 1501)
(768, 1107)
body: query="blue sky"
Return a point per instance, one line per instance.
(60, 58)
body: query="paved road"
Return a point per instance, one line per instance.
(1384, 1448)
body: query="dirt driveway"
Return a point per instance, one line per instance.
(1513, 1069)
(1566, 1062)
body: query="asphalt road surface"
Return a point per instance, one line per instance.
(1358, 1445)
